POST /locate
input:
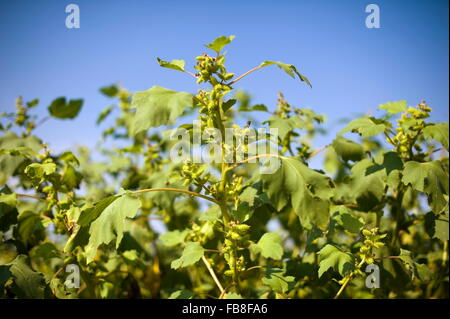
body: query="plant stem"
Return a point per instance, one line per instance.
(347, 280)
(213, 275)
(168, 189)
(245, 74)
(445, 253)
(32, 196)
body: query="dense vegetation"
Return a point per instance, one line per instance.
(233, 230)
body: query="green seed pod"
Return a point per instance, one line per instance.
(366, 232)
(242, 228)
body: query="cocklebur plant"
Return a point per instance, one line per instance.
(137, 223)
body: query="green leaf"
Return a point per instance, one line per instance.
(429, 178)
(37, 172)
(257, 107)
(366, 127)
(173, 238)
(394, 107)
(106, 111)
(71, 178)
(111, 224)
(8, 211)
(345, 218)
(110, 91)
(212, 214)
(332, 256)
(191, 254)
(347, 149)
(158, 106)
(181, 294)
(270, 246)
(437, 132)
(228, 104)
(437, 225)
(28, 284)
(5, 275)
(368, 184)
(289, 69)
(90, 214)
(32, 103)
(61, 109)
(174, 65)
(275, 278)
(218, 44)
(307, 190)
(30, 229)
(285, 125)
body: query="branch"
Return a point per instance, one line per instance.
(32, 196)
(318, 151)
(213, 275)
(168, 189)
(245, 74)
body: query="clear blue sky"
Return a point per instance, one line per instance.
(352, 68)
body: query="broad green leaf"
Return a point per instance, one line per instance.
(228, 104)
(158, 106)
(28, 284)
(394, 107)
(112, 223)
(8, 211)
(37, 172)
(366, 127)
(275, 278)
(347, 149)
(429, 178)
(420, 270)
(11, 160)
(71, 178)
(423, 272)
(285, 125)
(69, 158)
(437, 225)
(345, 218)
(173, 238)
(270, 246)
(90, 214)
(30, 229)
(110, 91)
(79, 238)
(61, 109)
(437, 132)
(289, 69)
(332, 256)
(212, 214)
(308, 191)
(191, 254)
(218, 44)
(368, 185)
(46, 250)
(174, 65)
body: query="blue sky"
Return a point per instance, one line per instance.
(352, 68)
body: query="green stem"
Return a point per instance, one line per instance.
(169, 189)
(349, 278)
